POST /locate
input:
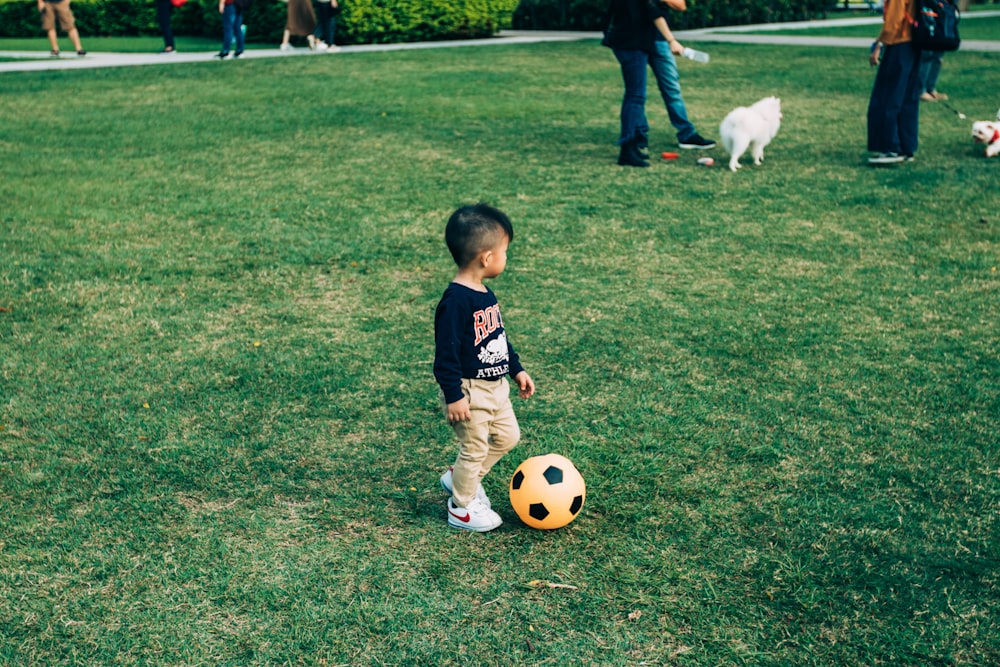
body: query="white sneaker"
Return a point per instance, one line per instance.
(480, 491)
(332, 48)
(475, 517)
(285, 46)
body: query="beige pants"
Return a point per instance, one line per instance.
(491, 433)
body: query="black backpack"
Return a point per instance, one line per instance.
(935, 28)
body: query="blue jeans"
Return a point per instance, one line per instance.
(232, 22)
(635, 128)
(930, 68)
(894, 107)
(667, 80)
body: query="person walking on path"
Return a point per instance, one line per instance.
(51, 10)
(326, 18)
(894, 107)
(301, 22)
(232, 24)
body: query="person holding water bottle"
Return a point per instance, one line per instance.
(639, 35)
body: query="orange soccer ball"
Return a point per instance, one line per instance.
(547, 491)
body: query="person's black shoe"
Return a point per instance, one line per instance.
(696, 141)
(630, 156)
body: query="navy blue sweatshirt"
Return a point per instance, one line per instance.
(470, 341)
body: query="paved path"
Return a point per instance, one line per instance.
(28, 61)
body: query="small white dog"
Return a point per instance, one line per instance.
(985, 132)
(750, 127)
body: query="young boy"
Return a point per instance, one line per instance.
(472, 361)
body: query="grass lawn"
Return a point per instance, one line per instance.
(970, 27)
(118, 44)
(220, 438)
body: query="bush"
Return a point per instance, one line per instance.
(590, 14)
(361, 21)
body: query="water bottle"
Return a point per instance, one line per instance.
(697, 56)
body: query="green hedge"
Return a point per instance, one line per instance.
(360, 22)
(589, 14)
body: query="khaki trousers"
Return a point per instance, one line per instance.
(492, 432)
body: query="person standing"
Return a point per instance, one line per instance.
(473, 359)
(894, 106)
(635, 35)
(164, 8)
(51, 10)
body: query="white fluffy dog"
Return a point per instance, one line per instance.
(985, 132)
(750, 127)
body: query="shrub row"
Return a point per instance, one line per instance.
(361, 21)
(590, 14)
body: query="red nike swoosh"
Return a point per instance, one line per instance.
(463, 519)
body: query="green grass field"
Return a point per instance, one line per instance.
(971, 27)
(220, 438)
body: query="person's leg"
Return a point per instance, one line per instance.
(473, 438)
(228, 13)
(895, 74)
(933, 70)
(238, 29)
(633, 112)
(48, 16)
(505, 432)
(909, 111)
(664, 67)
(163, 11)
(323, 21)
(74, 36)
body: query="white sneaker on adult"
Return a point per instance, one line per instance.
(446, 484)
(476, 517)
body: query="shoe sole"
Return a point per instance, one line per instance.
(475, 529)
(893, 160)
(689, 147)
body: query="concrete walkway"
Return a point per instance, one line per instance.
(33, 61)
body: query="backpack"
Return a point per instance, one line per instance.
(935, 27)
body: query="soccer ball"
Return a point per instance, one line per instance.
(547, 491)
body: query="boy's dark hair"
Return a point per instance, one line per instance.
(474, 228)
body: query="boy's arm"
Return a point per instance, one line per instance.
(447, 364)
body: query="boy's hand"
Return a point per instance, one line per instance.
(526, 384)
(459, 411)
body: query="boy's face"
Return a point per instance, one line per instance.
(495, 258)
